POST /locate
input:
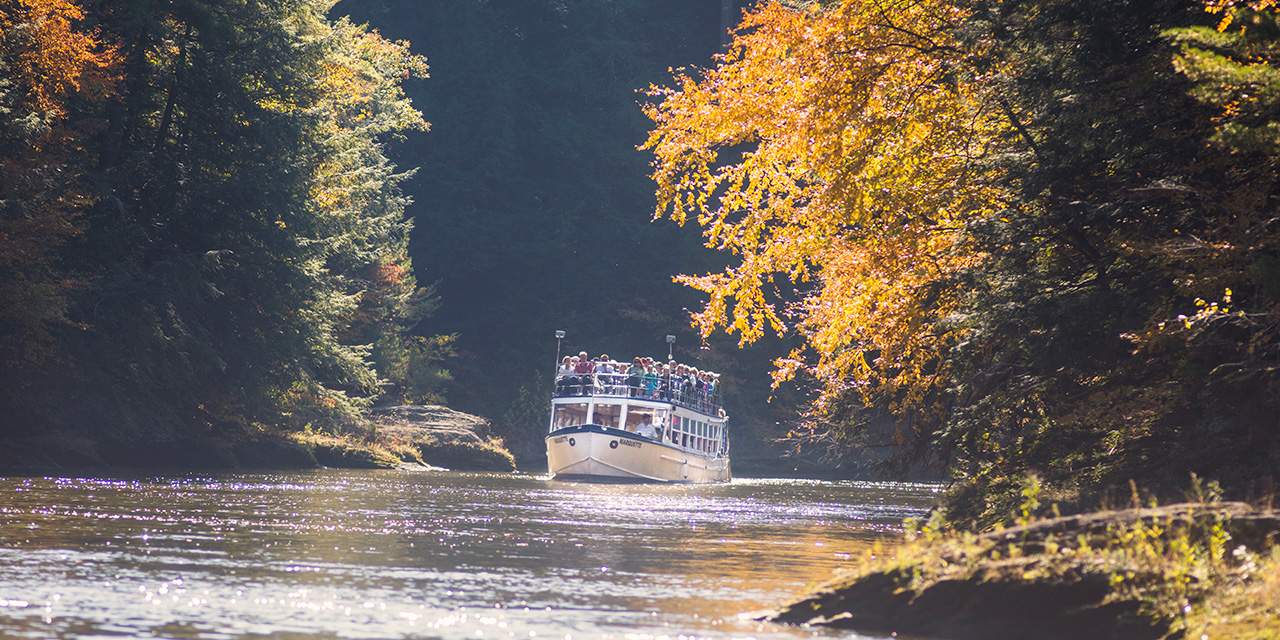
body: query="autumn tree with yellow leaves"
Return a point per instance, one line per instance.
(832, 152)
(983, 219)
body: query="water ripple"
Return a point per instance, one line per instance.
(401, 554)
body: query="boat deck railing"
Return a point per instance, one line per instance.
(616, 386)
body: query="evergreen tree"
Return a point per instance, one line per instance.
(243, 251)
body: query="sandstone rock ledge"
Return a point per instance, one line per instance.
(443, 437)
(410, 422)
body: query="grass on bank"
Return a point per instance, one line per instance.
(370, 451)
(1207, 569)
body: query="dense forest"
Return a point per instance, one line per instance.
(1030, 246)
(207, 233)
(1014, 242)
(200, 233)
(1034, 243)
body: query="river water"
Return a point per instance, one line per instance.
(423, 554)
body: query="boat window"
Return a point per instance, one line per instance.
(638, 415)
(608, 414)
(568, 415)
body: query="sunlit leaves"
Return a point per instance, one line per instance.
(830, 150)
(48, 57)
(362, 81)
(1235, 69)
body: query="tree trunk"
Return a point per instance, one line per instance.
(727, 9)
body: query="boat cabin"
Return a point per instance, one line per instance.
(643, 422)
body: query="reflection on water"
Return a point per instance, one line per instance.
(417, 554)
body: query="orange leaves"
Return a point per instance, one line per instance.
(48, 57)
(390, 275)
(359, 82)
(831, 148)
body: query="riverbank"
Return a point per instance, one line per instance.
(1195, 570)
(424, 435)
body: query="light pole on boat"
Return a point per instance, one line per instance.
(559, 337)
(671, 340)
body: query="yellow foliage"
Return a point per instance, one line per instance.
(48, 57)
(1222, 6)
(832, 148)
(360, 80)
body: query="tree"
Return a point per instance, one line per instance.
(50, 63)
(834, 148)
(1016, 228)
(243, 253)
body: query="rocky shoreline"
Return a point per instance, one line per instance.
(420, 435)
(1131, 574)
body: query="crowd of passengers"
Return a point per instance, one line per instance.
(642, 378)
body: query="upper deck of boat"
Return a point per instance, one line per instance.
(661, 389)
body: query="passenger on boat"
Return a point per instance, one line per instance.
(570, 381)
(618, 378)
(605, 368)
(634, 380)
(584, 370)
(563, 374)
(686, 383)
(648, 430)
(650, 382)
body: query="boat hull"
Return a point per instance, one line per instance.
(602, 454)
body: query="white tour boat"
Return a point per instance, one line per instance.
(614, 426)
